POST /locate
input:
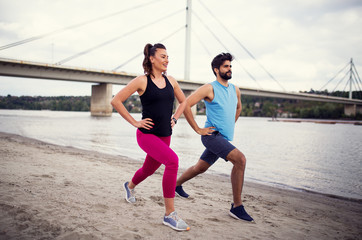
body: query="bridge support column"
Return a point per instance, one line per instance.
(101, 100)
(359, 109)
(350, 109)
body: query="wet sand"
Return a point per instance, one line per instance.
(54, 192)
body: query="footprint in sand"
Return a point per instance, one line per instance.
(158, 200)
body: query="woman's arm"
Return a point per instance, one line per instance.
(180, 96)
(137, 84)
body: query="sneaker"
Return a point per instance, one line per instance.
(129, 193)
(240, 213)
(175, 222)
(181, 192)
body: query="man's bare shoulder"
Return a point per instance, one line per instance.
(205, 92)
(206, 87)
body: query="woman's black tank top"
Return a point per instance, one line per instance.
(157, 104)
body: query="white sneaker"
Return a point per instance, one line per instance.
(175, 222)
(129, 193)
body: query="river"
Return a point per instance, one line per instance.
(304, 156)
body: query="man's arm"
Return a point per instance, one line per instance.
(203, 92)
(239, 105)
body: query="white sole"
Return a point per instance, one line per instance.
(236, 217)
(233, 215)
(174, 228)
(125, 197)
(181, 196)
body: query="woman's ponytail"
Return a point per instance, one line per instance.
(149, 51)
(147, 65)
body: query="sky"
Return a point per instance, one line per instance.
(291, 45)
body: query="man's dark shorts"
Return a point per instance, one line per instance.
(216, 146)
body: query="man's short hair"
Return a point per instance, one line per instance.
(219, 60)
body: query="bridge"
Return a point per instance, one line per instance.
(104, 79)
(102, 91)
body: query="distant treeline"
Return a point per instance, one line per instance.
(63, 103)
(252, 106)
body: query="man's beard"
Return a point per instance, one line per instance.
(225, 76)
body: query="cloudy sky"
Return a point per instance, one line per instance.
(302, 44)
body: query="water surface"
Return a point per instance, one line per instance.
(324, 158)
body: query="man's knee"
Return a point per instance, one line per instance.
(199, 170)
(201, 167)
(237, 158)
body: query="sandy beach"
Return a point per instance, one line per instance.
(55, 192)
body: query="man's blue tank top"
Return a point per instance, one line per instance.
(220, 112)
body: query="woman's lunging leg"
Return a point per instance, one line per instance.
(158, 152)
(149, 167)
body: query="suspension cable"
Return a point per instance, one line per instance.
(249, 74)
(359, 82)
(213, 34)
(245, 49)
(358, 88)
(355, 71)
(139, 54)
(333, 77)
(341, 81)
(344, 89)
(202, 44)
(71, 27)
(356, 82)
(116, 38)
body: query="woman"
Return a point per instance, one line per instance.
(157, 92)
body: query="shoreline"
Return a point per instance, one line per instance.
(318, 121)
(53, 192)
(258, 159)
(290, 188)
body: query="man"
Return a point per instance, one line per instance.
(223, 107)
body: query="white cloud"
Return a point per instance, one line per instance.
(301, 43)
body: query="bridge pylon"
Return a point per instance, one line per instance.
(101, 100)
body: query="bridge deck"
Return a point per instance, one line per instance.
(16, 68)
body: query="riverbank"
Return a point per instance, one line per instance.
(320, 121)
(54, 192)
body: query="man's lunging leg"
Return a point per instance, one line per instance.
(237, 181)
(200, 167)
(238, 159)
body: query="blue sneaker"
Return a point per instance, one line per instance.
(240, 213)
(175, 222)
(181, 192)
(129, 193)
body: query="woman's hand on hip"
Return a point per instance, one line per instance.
(145, 123)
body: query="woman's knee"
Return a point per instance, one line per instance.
(149, 172)
(172, 162)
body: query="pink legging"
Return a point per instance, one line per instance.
(158, 152)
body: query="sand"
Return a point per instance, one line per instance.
(55, 192)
